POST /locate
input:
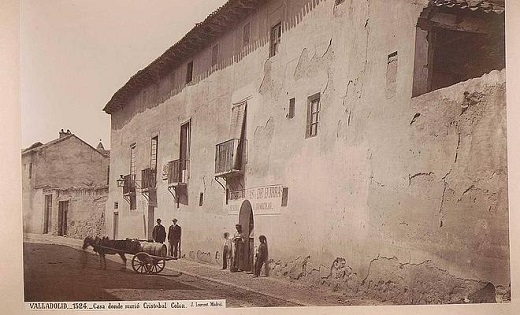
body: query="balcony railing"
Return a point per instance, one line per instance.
(228, 157)
(129, 184)
(148, 179)
(178, 172)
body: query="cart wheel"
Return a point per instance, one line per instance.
(141, 263)
(157, 265)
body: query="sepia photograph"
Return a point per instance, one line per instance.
(244, 154)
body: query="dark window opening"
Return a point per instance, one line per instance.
(285, 196)
(339, 1)
(201, 199)
(132, 159)
(227, 196)
(290, 113)
(172, 80)
(47, 216)
(133, 201)
(275, 38)
(132, 196)
(313, 115)
(214, 55)
(189, 72)
(454, 45)
(246, 34)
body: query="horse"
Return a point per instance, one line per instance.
(105, 246)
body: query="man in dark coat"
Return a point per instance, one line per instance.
(238, 246)
(261, 255)
(174, 237)
(159, 233)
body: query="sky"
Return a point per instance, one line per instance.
(75, 54)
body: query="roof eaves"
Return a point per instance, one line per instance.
(48, 144)
(195, 39)
(496, 6)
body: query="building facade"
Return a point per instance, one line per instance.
(357, 136)
(64, 187)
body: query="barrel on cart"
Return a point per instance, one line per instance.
(151, 258)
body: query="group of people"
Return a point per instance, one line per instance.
(234, 252)
(174, 237)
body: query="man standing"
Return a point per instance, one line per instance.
(238, 246)
(174, 237)
(159, 233)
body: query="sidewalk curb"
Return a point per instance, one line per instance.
(57, 241)
(300, 303)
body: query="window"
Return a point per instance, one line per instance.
(185, 151)
(285, 196)
(246, 36)
(172, 80)
(391, 75)
(201, 199)
(313, 116)
(189, 72)
(30, 170)
(214, 55)
(132, 159)
(290, 113)
(275, 38)
(454, 45)
(153, 153)
(47, 216)
(133, 200)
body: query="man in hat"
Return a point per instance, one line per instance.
(174, 238)
(159, 233)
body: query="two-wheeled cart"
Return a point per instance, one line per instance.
(148, 257)
(144, 262)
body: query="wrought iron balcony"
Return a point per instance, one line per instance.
(148, 179)
(178, 172)
(229, 157)
(129, 184)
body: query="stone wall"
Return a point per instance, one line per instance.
(69, 163)
(86, 211)
(420, 179)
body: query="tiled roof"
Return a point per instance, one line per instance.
(219, 22)
(487, 6)
(36, 148)
(197, 38)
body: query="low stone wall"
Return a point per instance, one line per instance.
(86, 213)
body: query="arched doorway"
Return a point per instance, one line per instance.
(245, 218)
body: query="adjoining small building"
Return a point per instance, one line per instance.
(65, 187)
(365, 139)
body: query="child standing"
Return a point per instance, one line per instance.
(261, 255)
(226, 253)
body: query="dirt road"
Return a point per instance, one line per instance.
(61, 273)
